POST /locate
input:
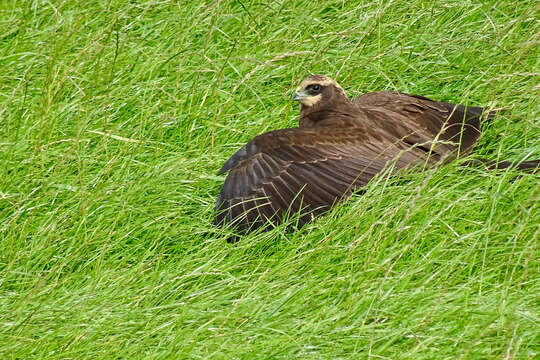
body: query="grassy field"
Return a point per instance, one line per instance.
(115, 117)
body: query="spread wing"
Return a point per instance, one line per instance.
(419, 120)
(303, 170)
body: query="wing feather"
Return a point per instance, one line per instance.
(300, 170)
(418, 119)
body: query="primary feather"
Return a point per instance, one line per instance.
(339, 146)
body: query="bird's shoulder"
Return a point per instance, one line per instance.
(399, 102)
(300, 141)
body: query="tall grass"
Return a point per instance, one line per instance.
(115, 117)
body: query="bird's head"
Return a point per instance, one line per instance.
(318, 92)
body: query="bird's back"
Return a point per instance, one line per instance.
(445, 128)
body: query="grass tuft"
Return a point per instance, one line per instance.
(115, 117)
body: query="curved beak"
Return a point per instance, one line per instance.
(299, 94)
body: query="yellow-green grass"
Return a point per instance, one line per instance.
(115, 117)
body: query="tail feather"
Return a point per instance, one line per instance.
(533, 165)
(471, 114)
(464, 124)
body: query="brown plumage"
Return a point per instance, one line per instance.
(339, 146)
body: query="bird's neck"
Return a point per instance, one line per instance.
(324, 117)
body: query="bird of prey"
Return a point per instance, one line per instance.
(338, 147)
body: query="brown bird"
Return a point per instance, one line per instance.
(339, 146)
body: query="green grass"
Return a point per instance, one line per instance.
(115, 117)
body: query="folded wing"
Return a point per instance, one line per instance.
(442, 127)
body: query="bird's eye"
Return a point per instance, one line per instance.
(316, 87)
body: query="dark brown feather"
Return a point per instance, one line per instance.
(318, 167)
(420, 120)
(339, 147)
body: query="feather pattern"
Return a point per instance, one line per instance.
(339, 147)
